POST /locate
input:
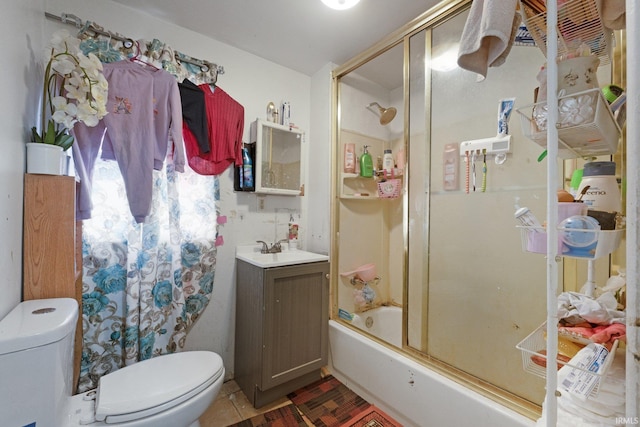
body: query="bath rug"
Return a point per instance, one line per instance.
(328, 402)
(285, 416)
(373, 417)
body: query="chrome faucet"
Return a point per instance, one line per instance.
(274, 249)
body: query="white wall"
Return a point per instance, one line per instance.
(22, 51)
(249, 79)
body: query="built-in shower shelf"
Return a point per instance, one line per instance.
(356, 187)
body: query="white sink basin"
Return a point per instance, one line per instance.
(252, 255)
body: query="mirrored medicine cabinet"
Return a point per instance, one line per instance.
(279, 158)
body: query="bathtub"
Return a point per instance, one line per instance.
(409, 392)
(382, 322)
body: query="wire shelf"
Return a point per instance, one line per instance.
(589, 375)
(578, 22)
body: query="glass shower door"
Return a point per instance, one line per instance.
(472, 294)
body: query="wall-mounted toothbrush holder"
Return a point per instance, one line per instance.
(497, 145)
(357, 281)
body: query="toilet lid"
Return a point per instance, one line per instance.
(155, 385)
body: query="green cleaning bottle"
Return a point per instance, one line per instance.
(366, 164)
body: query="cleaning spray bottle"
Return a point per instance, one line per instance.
(366, 163)
(293, 233)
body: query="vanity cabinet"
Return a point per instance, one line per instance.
(279, 158)
(281, 338)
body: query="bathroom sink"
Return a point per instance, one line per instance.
(252, 255)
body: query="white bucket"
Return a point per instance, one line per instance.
(45, 159)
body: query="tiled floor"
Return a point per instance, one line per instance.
(232, 406)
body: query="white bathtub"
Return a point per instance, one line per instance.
(411, 393)
(383, 322)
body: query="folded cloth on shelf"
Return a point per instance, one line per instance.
(609, 333)
(488, 35)
(575, 308)
(614, 14)
(601, 334)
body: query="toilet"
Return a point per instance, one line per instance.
(36, 374)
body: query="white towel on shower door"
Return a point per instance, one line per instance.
(488, 35)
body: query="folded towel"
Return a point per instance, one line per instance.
(601, 334)
(488, 35)
(614, 14)
(610, 333)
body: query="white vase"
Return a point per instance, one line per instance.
(44, 159)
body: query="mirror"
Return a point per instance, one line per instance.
(279, 154)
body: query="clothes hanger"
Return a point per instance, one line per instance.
(138, 59)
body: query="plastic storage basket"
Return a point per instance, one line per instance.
(586, 126)
(532, 345)
(534, 239)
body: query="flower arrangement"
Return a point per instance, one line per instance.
(75, 90)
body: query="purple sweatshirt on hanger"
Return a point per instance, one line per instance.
(144, 114)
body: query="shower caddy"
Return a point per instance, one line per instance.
(599, 136)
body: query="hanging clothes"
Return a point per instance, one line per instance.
(194, 113)
(144, 115)
(226, 126)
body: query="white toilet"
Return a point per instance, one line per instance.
(36, 370)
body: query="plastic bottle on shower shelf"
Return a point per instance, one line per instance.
(387, 161)
(366, 164)
(350, 157)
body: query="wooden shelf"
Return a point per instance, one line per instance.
(52, 248)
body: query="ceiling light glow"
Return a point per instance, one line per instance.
(340, 4)
(446, 61)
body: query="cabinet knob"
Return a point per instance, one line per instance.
(326, 276)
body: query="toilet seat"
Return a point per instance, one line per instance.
(155, 385)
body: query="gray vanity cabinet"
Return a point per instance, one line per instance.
(281, 339)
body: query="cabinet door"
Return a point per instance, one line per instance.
(296, 322)
(279, 159)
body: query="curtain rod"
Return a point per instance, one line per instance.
(71, 19)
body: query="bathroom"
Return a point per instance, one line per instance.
(249, 217)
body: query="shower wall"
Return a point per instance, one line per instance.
(371, 229)
(371, 232)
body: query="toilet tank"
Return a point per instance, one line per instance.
(36, 362)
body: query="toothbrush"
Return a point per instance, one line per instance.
(484, 170)
(466, 183)
(473, 167)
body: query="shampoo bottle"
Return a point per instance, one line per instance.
(350, 158)
(366, 164)
(387, 161)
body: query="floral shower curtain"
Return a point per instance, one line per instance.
(145, 285)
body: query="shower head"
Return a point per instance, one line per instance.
(386, 114)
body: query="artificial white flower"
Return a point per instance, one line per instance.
(74, 90)
(63, 65)
(62, 41)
